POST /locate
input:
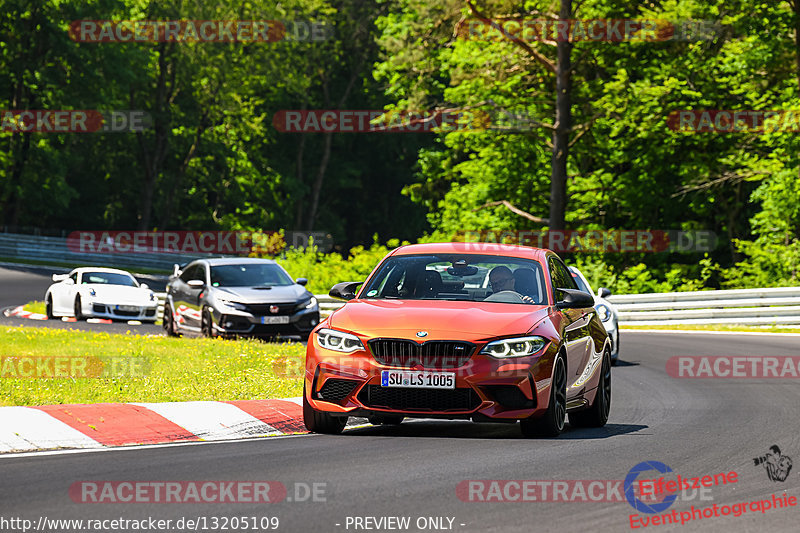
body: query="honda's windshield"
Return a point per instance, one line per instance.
(249, 275)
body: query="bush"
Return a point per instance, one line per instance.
(325, 270)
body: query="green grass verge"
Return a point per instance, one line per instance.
(171, 369)
(718, 327)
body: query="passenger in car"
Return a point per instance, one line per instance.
(525, 284)
(429, 286)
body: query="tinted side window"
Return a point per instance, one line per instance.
(560, 277)
(193, 272)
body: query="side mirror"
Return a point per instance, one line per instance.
(196, 283)
(345, 290)
(144, 286)
(60, 277)
(602, 292)
(575, 299)
(301, 281)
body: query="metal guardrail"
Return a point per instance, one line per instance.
(740, 306)
(44, 249)
(780, 306)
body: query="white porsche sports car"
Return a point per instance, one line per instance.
(100, 293)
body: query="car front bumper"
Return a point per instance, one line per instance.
(486, 389)
(236, 323)
(612, 328)
(140, 312)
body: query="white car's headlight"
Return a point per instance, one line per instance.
(603, 312)
(516, 347)
(312, 303)
(338, 341)
(232, 305)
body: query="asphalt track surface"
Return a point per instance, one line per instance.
(697, 427)
(22, 284)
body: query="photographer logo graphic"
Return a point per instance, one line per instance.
(630, 484)
(777, 466)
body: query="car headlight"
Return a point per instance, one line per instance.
(517, 347)
(338, 341)
(312, 303)
(232, 305)
(603, 312)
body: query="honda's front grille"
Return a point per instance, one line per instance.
(406, 399)
(264, 309)
(335, 390)
(431, 354)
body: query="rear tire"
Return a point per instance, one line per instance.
(385, 420)
(596, 416)
(551, 424)
(320, 422)
(49, 308)
(78, 309)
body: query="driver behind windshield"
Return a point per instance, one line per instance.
(502, 279)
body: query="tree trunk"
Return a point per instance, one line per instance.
(563, 123)
(154, 159)
(317, 186)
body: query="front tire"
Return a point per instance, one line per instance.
(551, 424)
(49, 308)
(207, 324)
(168, 321)
(596, 416)
(78, 309)
(320, 422)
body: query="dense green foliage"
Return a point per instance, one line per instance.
(213, 159)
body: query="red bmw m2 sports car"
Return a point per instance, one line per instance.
(492, 333)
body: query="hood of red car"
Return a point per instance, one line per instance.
(442, 320)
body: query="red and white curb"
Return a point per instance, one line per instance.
(21, 313)
(87, 426)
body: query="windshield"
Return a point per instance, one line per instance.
(108, 278)
(249, 275)
(464, 277)
(581, 285)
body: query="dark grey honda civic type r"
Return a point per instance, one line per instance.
(238, 297)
